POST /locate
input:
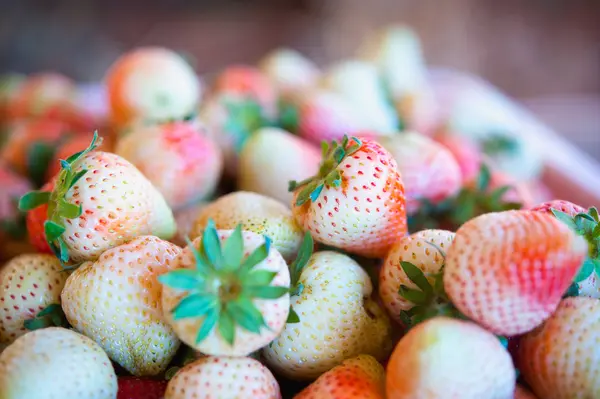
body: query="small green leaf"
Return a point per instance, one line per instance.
(503, 341)
(268, 292)
(212, 244)
(596, 263)
(297, 290)
(246, 315)
(65, 165)
(565, 218)
(77, 177)
(293, 317)
(209, 322)
(314, 195)
(233, 250)
(587, 268)
(573, 291)
(202, 264)
(37, 323)
(593, 212)
(415, 296)
(53, 230)
(305, 193)
(259, 277)
(68, 210)
(181, 279)
(304, 254)
(64, 251)
(195, 305)
(49, 310)
(227, 327)
(256, 257)
(405, 318)
(484, 178)
(33, 199)
(584, 216)
(417, 276)
(596, 231)
(495, 197)
(90, 148)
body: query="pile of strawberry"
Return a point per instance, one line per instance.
(197, 242)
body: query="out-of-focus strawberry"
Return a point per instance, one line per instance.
(429, 171)
(35, 220)
(335, 318)
(361, 377)
(530, 260)
(449, 358)
(12, 222)
(180, 161)
(256, 213)
(9, 87)
(151, 84)
(401, 280)
(99, 201)
(67, 147)
(272, 158)
(563, 206)
(247, 82)
(228, 294)
(116, 301)
(223, 377)
(560, 359)
(28, 285)
(466, 153)
(141, 388)
(289, 70)
(35, 366)
(522, 393)
(356, 202)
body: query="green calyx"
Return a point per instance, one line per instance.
(499, 143)
(58, 207)
(244, 118)
(470, 202)
(329, 175)
(51, 316)
(296, 268)
(586, 225)
(289, 116)
(222, 288)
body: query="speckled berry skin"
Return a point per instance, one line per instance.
(429, 171)
(116, 301)
(28, 284)
(450, 359)
(258, 214)
(426, 250)
(361, 377)
(508, 271)
(567, 207)
(338, 320)
(181, 162)
(560, 359)
(366, 214)
(274, 311)
(118, 204)
(223, 378)
(56, 363)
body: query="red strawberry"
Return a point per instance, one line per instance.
(508, 271)
(567, 207)
(141, 388)
(356, 202)
(361, 377)
(560, 359)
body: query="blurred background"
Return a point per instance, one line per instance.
(545, 53)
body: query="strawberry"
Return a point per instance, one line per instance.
(530, 260)
(325, 115)
(185, 219)
(229, 293)
(359, 377)
(28, 284)
(141, 388)
(65, 148)
(584, 223)
(223, 377)
(271, 158)
(35, 221)
(522, 393)
(151, 84)
(466, 153)
(12, 226)
(449, 358)
(183, 164)
(334, 317)
(429, 171)
(560, 359)
(99, 201)
(289, 70)
(244, 81)
(256, 213)
(359, 83)
(116, 301)
(356, 202)
(36, 366)
(420, 254)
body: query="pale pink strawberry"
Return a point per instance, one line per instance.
(100, 201)
(228, 294)
(36, 366)
(244, 81)
(13, 187)
(223, 377)
(560, 359)
(324, 115)
(426, 250)
(567, 207)
(289, 70)
(356, 202)
(28, 284)
(449, 358)
(522, 393)
(429, 171)
(360, 377)
(519, 191)
(466, 153)
(179, 160)
(530, 259)
(271, 158)
(116, 301)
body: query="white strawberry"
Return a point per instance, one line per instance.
(116, 301)
(56, 363)
(289, 70)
